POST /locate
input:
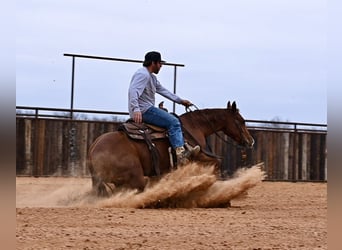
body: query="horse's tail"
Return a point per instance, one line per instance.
(98, 186)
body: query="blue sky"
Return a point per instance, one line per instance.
(269, 56)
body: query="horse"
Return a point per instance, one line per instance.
(116, 159)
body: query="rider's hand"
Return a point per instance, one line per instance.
(186, 103)
(137, 117)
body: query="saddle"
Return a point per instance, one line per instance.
(147, 133)
(139, 131)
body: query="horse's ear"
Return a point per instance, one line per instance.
(234, 106)
(228, 105)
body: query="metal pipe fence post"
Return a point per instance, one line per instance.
(72, 87)
(174, 86)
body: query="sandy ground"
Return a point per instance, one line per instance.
(58, 213)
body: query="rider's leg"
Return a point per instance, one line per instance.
(166, 120)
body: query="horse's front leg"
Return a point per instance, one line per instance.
(208, 160)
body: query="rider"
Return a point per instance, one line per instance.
(141, 101)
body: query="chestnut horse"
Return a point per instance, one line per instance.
(116, 159)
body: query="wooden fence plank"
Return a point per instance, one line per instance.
(28, 147)
(83, 149)
(40, 147)
(285, 157)
(304, 153)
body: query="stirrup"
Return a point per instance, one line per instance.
(183, 158)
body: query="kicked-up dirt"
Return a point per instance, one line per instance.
(185, 210)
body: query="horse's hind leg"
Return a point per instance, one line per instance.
(101, 190)
(99, 187)
(137, 180)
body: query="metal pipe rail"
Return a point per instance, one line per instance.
(175, 65)
(36, 112)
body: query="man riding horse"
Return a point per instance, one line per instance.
(141, 103)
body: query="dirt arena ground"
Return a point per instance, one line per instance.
(57, 213)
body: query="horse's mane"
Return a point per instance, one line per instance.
(204, 117)
(209, 112)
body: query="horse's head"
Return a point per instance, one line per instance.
(235, 127)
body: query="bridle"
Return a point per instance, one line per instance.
(231, 142)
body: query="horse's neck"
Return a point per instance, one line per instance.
(208, 121)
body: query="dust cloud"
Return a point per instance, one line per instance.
(190, 186)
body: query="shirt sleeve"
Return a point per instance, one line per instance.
(136, 88)
(167, 94)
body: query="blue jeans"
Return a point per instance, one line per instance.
(161, 118)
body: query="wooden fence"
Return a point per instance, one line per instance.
(58, 147)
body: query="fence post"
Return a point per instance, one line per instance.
(294, 162)
(174, 86)
(72, 87)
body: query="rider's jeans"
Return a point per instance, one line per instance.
(161, 118)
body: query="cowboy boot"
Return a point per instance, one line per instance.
(194, 150)
(183, 154)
